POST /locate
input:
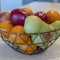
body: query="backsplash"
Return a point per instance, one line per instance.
(7, 5)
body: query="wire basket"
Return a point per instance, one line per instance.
(46, 38)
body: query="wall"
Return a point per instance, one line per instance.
(27, 1)
(48, 0)
(7, 5)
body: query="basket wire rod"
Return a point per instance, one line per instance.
(30, 33)
(42, 40)
(35, 38)
(54, 39)
(29, 45)
(51, 42)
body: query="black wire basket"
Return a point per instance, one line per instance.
(46, 38)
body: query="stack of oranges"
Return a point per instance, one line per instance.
(18, 36)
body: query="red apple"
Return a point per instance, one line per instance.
(42, 15)
(40, 49)
(4, 16)
(17, 16)
(46, 36)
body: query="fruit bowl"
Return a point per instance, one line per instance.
(54, 34)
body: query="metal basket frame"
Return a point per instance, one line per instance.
(16, 48)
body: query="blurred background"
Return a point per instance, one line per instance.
(28, 1)
(6, 5)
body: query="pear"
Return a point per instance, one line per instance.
(53, 34)
(56, 26)
(34, 24)
(42, 40)
(44, 27)
(39, 41)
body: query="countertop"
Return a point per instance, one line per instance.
(52, 53)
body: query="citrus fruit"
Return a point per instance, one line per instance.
(18, 38)
(59, 17)
(52, 16)
(28, 10)
(5, 26)
(28, 48)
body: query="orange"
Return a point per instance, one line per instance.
(59, 17)
(28, 48)
(5, 26)
(20, 39)
(52, 16)
(28, 10)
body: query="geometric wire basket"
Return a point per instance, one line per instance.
(51, 39)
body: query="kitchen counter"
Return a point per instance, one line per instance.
(52, 53)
